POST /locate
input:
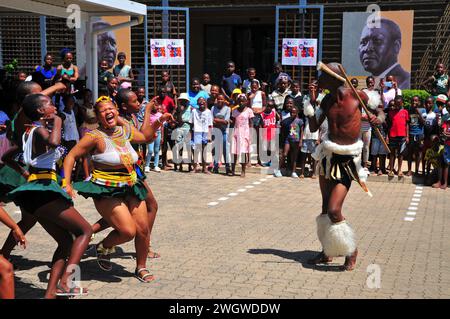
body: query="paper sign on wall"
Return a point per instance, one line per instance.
(299, 52)
(167, 51)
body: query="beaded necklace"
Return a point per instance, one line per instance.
(119, 141)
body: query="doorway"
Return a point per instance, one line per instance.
(246, 45)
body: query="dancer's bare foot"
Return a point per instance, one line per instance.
(320, 258)
(409, 174)
(437, 185)
(350, 261)
(444, 186)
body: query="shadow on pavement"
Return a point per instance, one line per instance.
(26, 290)
(301, 257)
(20, 263)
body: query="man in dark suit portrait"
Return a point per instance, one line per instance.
(379, 49)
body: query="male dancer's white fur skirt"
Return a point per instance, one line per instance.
(337, 239)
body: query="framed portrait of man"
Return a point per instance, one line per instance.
(379, 47)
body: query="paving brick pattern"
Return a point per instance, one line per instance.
(256, 244)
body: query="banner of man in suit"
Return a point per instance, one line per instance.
(379, 48)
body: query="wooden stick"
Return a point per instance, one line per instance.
(377, 131)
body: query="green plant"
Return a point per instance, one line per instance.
(9, 68)
(408, 95)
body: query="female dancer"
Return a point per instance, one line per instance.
(118, 194)
(42, 197)
(129, 106)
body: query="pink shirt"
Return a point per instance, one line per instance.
(154, 117)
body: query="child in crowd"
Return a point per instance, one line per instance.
(378, 152)
(206, 85)
(296, 94)
(287, 108)
(269, 120)
(166, 82)
(123, 72)
(103, 75)
(242, 118)
(214, 93)
(417, 116)
(433, 157)
(292, 132)
(44, 74)
(445, 136)
(183, 137)
(234, 104)
(168, 106)
(310, 140)
(196, 92)
(202, 121)
(71, 135)
(282, 91)
(398, 119)
(257, 99)
(230, 80)
(221, 114)
(153, 148)
(440, 83)
(430, 127)
(309, 143)
(276, 76)
(247, 85)
(389, 90)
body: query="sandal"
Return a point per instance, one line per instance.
(72, 292)
(142, 278)
(103, 260)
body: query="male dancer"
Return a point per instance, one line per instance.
(339, 157)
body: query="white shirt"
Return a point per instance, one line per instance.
(390, 95)
(202, 120)
(70, 127)
(307, 135)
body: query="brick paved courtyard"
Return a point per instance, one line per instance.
(223, 237)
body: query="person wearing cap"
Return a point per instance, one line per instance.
(182, 138)
(196, 92)
(234, 99)
(277, 74)
(440, 108)
(281, 92)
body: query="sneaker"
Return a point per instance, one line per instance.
(294, 175)
(157, 169)
(277, 173)
(147, 169)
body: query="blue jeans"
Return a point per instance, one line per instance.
(153, 147)
(220, 150)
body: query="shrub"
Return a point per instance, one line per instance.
(408, 95)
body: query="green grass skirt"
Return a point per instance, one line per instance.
(9, 180)
(95, 191)
(26, 192)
